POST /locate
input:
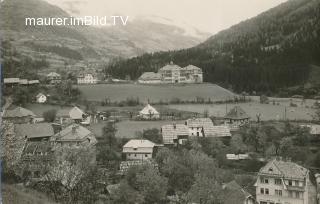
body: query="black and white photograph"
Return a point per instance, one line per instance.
(160, 101)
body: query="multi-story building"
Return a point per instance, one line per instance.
(138, 149)
(171, 74)
(87, 78)
(54, 78)
(283, 182)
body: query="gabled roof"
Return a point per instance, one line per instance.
(169, 67)
(37, 130)
(37, 147)
(150, 76)
(53, 74)
(172, 131)
(148, 109)
(237, 113)
(76, 113)
(234, 193)
(191, 67)
(217, 131)
(138, 144)
(284, 169)
(18, 112)
(75, 133)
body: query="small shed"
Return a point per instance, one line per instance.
(41, 98)
(149, 112)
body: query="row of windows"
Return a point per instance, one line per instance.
(263, 202)
(266, 191)
(279, 181)
(135, 155)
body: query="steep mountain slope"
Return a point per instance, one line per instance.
(78, 46)
(265, 54)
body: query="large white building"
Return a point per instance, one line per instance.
(172, 74)
(87, 78)
(284, 182)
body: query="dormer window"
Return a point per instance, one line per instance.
(270, 169)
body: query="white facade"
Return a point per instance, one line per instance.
(138, 149)
(41, 98)
(87, 79)
(282, 182)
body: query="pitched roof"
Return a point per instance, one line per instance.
(37, 147)
(148, 109)
(138, 144)
(169, 67)
(284, 169)
(237, 113)
(234, 193)
(75, 133)
(191, 67)
(18, 112)
(53, 74)
(150, 76)
(217, 131)
(36, 130)
(199, 122)
(76, 113)
(172, 131)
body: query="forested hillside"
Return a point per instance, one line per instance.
(275, 50)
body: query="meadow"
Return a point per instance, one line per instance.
(154, 93)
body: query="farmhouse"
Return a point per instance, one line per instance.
(197, 126)
(138, 149)
(236, 118)
(174, 134)
(87, 78)
(149, 112)
(78, 115)
(74, 135)
(18, 115)
(54, 78)
(283, 182)
(34, 132)
(150, 78)
(41, 98)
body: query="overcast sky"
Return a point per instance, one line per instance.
(206, 15)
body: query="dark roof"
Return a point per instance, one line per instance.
(37, 130)
(237, 113)
(234, 193)
(37, 147)
(18, 112)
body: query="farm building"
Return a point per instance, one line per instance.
(174, 134)
(150, 78)
(54, 78)
(34, 132)
(236, 117)
(18, 115)
(11, 81)
(87, 78)
(78, 115)
(203, 127)
(149, 112)
(74, 135)
(41, 98)
(138, 149)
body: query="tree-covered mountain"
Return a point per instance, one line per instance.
(74, 45)
(273, 51)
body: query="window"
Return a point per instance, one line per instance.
(262, 190)
(264, 180)
(135, 155)
(146, 155)
(290, 194)
(277, 181)
(297, 194)
(262, 202)
(267, 191)
(296, 183)
(278, 192)
(290, 183)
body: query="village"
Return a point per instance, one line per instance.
(189, 156)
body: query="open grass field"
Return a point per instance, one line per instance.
(154, 93)
(267, 111)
